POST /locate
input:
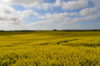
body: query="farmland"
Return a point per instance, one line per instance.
(50, 48)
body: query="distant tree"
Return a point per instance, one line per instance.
(55, 30)
(1, 30)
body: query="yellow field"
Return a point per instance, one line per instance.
(50, 48)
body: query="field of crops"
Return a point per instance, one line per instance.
(50, 48)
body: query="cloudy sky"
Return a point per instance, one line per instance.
(49, 14)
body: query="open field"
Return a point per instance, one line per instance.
(50, 48)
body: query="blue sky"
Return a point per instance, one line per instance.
(49, 14)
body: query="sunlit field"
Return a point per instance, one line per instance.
(50, 48)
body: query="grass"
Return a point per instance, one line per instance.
(50, 48)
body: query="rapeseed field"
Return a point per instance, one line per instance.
(50, 48)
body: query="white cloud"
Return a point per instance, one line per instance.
(6, 2)
(89, 11)
(71, 5)
(11, 14)
(58, 3)
(63, 20)
(86, 18)
(51, 21)
(10, 17)
(27, 3)
(96, 3)
(24, 3)
(75, 4)
(53, 16)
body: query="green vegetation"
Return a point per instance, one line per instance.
(50, 48)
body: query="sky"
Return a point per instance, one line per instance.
(49, 14)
